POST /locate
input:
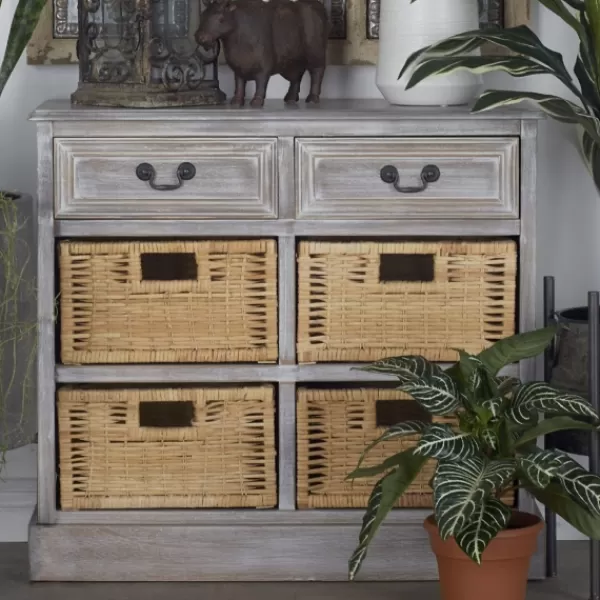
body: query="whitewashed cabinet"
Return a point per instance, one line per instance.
(342, 170)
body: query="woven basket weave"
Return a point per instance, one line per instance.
(115, 450)
(148, 302)
(334, 427)
(364, 301)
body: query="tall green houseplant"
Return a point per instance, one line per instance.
(17, 279)
(527, 55)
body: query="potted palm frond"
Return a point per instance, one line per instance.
(528, 56)
(17, 274)
(479, 540)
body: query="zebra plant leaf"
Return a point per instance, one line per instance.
(437, 393)
(405, 368)
(490, 518)
(558, 108)
(552, 425)
(490, 437)
(581, 485)
(516, 66)
(516, 348)
(387, 465)
(440, 441)
(460, 487)
(397, 431)
(384, 496)
(541, 397)
(540, 467)
(559, 502)
(24, 22)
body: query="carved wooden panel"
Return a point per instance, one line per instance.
(339, 178)
(96, 178)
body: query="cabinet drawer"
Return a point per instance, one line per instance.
(98, 178)
(341, 178)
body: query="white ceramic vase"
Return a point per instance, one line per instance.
(405, 28)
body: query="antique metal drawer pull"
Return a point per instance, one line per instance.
(429, 174)
(185, 172)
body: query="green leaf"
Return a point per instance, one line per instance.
(541, 397)
(516, 348)
(440, 441)
(397, 431)
(591, 155)
(550, 426)
(519, 40)
(558, 8)
(437, 394)
(592, 11)
(560, 503)
(459, 488)
(540, 466)
(405, 368)
(494, 405)
(558, 108)
(516, 66)
(490, 437)
(386, 465)
(490, 518)
(384, 496)
(24, 23)
(581, 485)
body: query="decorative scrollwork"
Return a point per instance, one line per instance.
(112, 36)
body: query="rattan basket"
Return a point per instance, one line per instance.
(367, 300)
(149, 302)
(167, 448)
(335, 426)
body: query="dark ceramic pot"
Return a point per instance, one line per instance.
(18, 310)
(570, 373)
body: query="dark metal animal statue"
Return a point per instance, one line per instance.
(262, 38)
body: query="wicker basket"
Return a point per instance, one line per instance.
(364, 301)
(167, 448)
(148, 302)
(335, 426)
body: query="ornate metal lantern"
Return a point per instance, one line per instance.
(142, 53)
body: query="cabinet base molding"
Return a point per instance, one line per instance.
(228, 553)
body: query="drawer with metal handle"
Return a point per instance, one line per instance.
(408, 178)
(204, 178)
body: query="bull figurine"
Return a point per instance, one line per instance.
(263, 38)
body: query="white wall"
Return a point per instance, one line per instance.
(569, 208)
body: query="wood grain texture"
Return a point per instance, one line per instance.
(340, 178)
(96, 178)
(297, 518)
(401, 552)
(287, 300)
(328, 110)
(530, 369)
(285, 228)
(286, 409)
(130, 374)
(46, 330)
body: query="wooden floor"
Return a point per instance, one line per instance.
(571, 585)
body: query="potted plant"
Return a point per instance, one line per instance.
(479, 541)
(529, 56)
(17, 274)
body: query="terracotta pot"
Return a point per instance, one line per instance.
(503, 573)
